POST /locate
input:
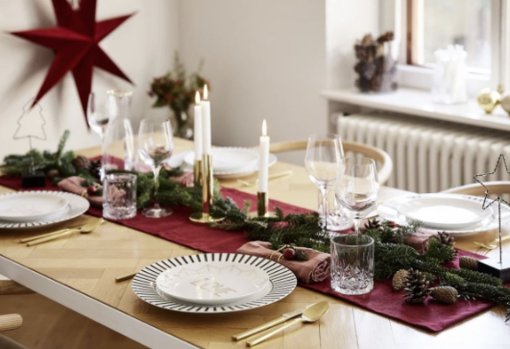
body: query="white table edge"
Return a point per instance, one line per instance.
(102, 313)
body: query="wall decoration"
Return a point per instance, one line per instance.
(75, 42)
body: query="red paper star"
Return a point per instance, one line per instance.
(76, 45)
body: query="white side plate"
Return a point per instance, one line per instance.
(30, 206)
(76, 206)
(444, 211)
(228, 159)
(212, 283)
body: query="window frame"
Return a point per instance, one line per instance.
(394, 16)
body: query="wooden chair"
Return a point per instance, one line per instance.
(475, 189)
(10, 321)
(380, 156)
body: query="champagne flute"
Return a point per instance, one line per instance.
(155, 146)
(357, 187)
(322, 159)
(99, 113)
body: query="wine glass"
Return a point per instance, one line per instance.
(322, 159)
(357, 187)
(99, 113)
(155, 146)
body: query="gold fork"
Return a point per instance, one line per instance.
(485, 248)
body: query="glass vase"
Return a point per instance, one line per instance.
(118, 144)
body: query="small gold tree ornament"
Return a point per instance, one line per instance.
(498, 267)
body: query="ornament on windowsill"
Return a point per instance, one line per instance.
(498, 267)
(31, 126)
(488, 99)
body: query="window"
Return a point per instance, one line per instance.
(435, 24)
(423, 26)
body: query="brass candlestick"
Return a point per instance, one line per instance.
(262, 204)
(207, 191)
(197, 172)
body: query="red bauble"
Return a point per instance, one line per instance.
(92, 190)
(75, 42)
(289, 254)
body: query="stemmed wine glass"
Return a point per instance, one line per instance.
(99, 113)
(155, 146)
(322, 159)
(357, 187)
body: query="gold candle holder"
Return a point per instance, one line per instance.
(262, 204)
(197, 172)
(207, 191)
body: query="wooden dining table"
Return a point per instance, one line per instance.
(79, 272)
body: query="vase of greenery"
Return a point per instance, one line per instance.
(176, 90)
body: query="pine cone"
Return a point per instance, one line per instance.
(81, 162)
(444, 294)
(95, 168)
(466, 262)
(416, 287)
(388, 36)
(372, 224)
(446, 239)
(399, 279)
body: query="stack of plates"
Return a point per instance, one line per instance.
(30, 209)
(214, 283)
(227, 162)
(455, 214)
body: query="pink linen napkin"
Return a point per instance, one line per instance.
(74, 185)
(420, 240)
(315, 269)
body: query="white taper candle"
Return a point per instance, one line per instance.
(264, 159)
(206, 123)
(198, 128)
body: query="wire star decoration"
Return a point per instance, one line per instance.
(498, 199)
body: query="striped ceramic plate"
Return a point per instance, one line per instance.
(76, 206)
(282, 283)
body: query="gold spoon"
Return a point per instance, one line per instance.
(87, 228)
(312, 314)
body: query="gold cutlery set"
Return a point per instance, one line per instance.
(309, 314)
(83, 229)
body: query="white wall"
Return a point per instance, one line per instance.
(265, 59)
(142, 47)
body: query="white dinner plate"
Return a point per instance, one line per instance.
(227, 159)
(281, 283)
(389, 210)
(444, 211)
(76, 206)
(177, 160)
(212, 282)
(31, 206)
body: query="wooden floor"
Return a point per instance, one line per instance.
(48, 325)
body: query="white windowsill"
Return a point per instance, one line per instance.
(418, 102)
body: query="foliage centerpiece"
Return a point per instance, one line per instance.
(176, 90)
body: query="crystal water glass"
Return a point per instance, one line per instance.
(352, 264)
(338, 220)
(322, 159)
(155, 146)
(357, 187)
(119, 196)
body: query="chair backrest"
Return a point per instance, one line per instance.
(380, 156)
(475, 189)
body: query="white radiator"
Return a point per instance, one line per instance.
(429, 156)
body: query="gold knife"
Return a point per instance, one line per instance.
(281, 319)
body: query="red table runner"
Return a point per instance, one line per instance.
(383, 300)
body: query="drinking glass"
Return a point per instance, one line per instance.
(352, 264)
(322, 159)
(338, 220)
(155, 146)
(99, 112)
(357, 187)
(119, 196)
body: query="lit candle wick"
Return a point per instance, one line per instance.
(197, 98)
(206, 92)
(264, 128)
